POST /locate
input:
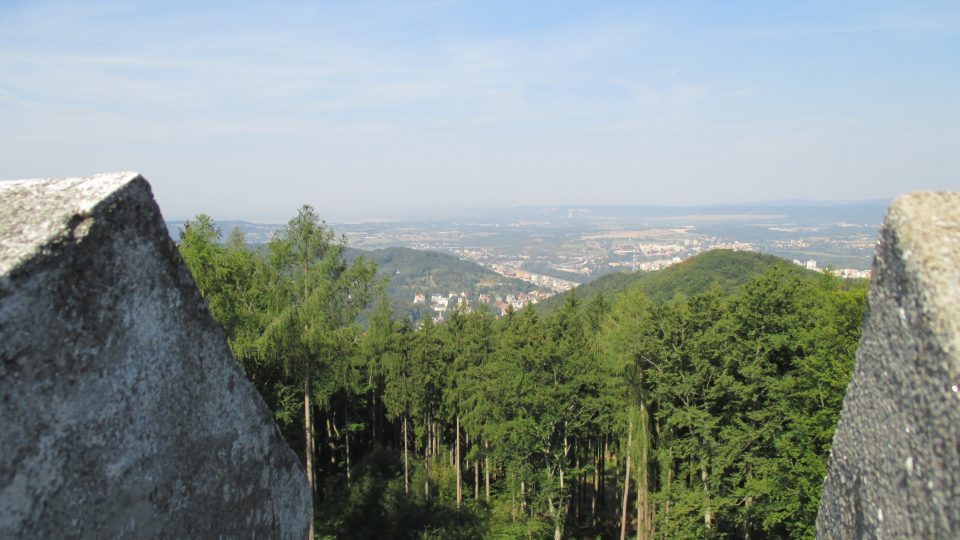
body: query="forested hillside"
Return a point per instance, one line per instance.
(725, 268)
(409, 271)
(702, 410)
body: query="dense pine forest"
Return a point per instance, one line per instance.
(705, 414)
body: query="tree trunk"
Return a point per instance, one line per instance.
(523, 496)
(486, 472)
(563, 463)
(603, 468)
(641, 525)
(427, 457)
(666, 503)
(558, 513)
(457, 458)
(378, 416)
(406, 459)
(426, 479)
(308, 449)
(578, 493)
(707, 513)
(346, 432)
(594, 503)
(331, 437)
(643, 486)
(626, 484)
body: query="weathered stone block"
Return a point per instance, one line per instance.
(895, 464)
(122, 410)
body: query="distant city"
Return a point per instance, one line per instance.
(557, 248)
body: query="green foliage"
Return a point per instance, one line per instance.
(724, 268)
(376, 507)
(409, 271)
(719, 381)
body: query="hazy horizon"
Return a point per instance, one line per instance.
(374, 110)
(492, 213)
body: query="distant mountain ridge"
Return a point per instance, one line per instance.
(799, 211)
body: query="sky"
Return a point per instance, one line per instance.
(371, 110)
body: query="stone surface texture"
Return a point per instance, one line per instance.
(895, 464)
(122, 411)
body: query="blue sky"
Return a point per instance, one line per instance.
(246, 110)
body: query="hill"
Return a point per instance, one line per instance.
(413, 271)
(730, 269)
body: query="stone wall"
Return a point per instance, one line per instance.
(895, 465)
(123, 413)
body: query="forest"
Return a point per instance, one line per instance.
(411, 271)
(708, 414)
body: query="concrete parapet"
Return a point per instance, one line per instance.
(122, 410)
(895, 464)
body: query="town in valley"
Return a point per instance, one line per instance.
(554, 249)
